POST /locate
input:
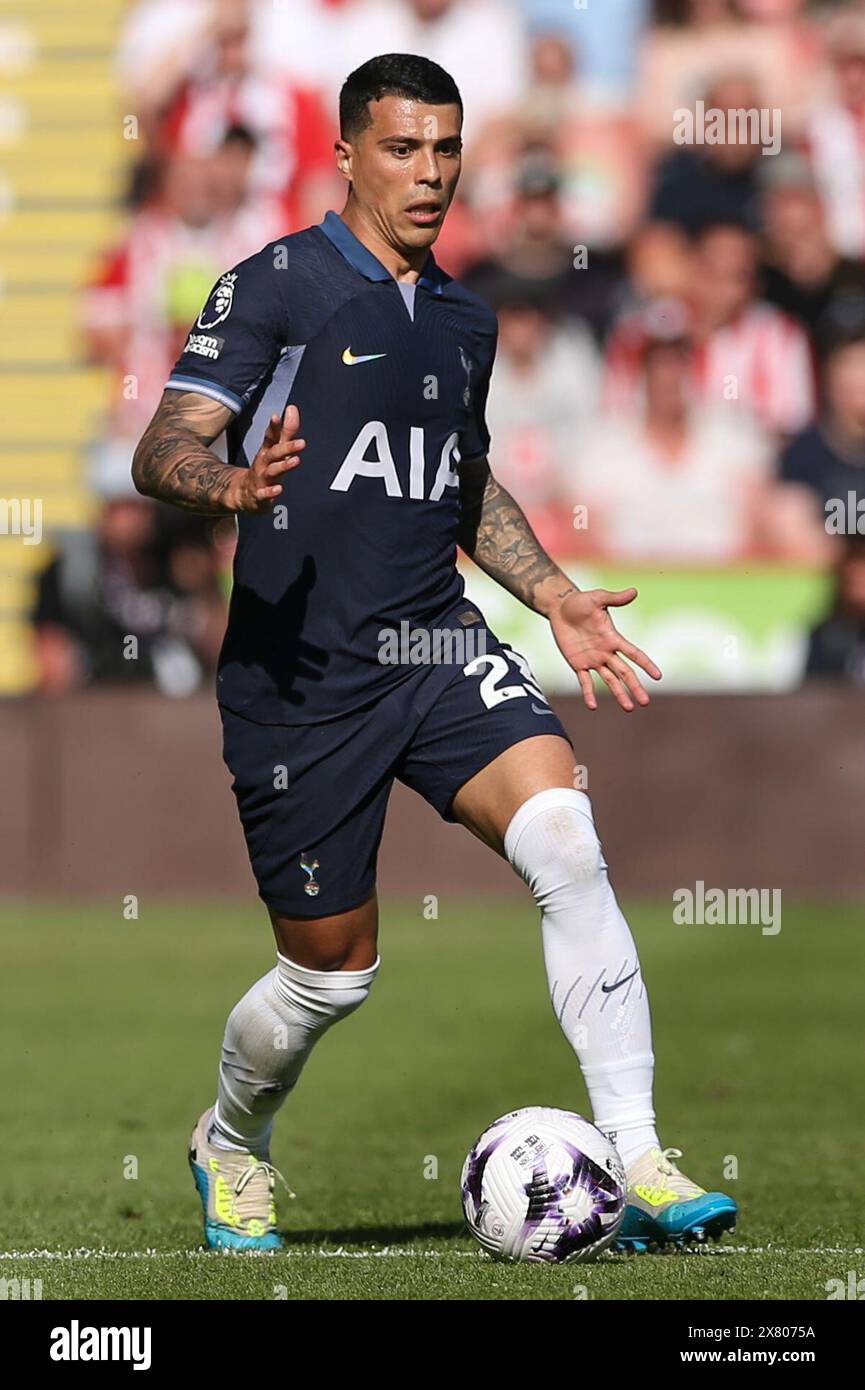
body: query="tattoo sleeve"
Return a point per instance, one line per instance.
(496, 535)
(173, 462)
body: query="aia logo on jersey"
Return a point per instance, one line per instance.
(218, 306)
(372, 456)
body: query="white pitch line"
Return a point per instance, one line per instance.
(387, 1252)
(392, 1252)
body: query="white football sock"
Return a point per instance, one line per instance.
(588, 949)
(268, 1037)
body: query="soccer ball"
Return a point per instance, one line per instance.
(543, 1184)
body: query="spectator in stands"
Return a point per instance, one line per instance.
(535, 257)
(748, 355)
(301, 40)
(594, 143)
(824, 466)
(698, 184)
(481, 44)
(698, 41)
(658, 266)
(604, 39)
(836, 135)
(218, 88)
(248, 218)
(543, 389)
(676, 478)
(748, 351)
(597, 144)
(156, 43)
(232, 164)
(836, 649)
(802, 273)
(111, 608)
(149, 289)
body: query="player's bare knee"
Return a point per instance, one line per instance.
(343, 941)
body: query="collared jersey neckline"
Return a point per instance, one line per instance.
(358, 255)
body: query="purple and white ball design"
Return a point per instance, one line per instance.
(543, 1184)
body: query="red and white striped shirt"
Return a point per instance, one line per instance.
(762, 361)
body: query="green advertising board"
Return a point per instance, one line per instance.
(708, 629)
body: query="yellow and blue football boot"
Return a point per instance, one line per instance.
(236, 1191)
(666, 1208)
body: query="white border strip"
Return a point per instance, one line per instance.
(205, 388)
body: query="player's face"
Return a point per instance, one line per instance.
(404, 169)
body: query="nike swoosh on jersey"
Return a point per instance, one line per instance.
(350, 360)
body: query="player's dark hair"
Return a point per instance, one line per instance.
(393, 74)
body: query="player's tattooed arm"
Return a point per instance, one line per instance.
(174, 463)
(494, 532)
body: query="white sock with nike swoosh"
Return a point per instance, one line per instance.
(593, 970)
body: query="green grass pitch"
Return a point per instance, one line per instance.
(110, 1037)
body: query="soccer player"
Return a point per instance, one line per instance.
(350, 335)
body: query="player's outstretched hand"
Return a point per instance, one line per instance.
(589, 641)
(259, 485)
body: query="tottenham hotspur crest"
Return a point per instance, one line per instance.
(218, 306)
(467, 368)
(309, 866)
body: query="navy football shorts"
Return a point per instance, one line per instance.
(312, 798)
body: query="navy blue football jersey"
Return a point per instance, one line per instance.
(391, 382)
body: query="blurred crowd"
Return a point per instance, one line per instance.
(681, 292)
